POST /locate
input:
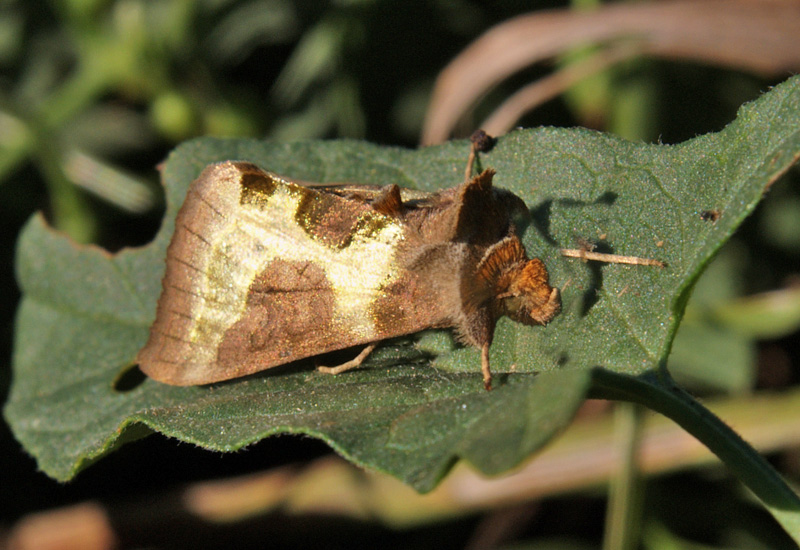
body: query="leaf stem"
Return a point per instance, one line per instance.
(664, 396)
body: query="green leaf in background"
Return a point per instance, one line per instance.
(707, 355)
(86, 313)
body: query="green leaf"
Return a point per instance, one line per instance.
(708, 355)
(85, 313)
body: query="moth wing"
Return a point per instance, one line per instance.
(262, 272)
(369, 193)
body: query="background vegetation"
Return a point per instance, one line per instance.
(94, 94)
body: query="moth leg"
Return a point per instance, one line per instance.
(487, 374)
(470, 163)
(480, 142)
(352, 364)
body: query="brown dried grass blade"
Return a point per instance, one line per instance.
(754, 35)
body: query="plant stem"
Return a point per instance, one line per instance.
(624, 513)
(664, 396)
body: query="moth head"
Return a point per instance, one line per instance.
(519, 287)
(528, 297)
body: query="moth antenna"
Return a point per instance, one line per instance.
(389, 202)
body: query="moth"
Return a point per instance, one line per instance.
(262, 271)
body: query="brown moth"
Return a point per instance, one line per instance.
(262, 271)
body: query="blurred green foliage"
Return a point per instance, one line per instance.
(116, 85)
